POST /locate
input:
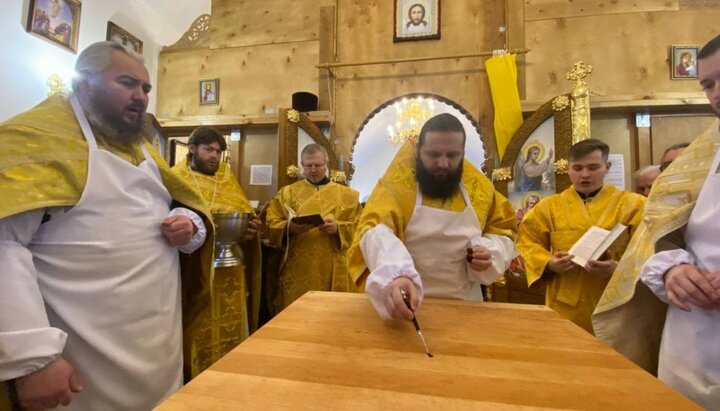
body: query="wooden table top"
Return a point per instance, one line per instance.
(332, 351)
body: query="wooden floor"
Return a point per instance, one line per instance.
(332, 351)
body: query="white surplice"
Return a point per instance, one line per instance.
(690, 349)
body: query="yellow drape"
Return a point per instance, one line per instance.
(502, 74)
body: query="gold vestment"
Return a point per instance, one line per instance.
(234, 311)
(315, 260)
(555, 224)
(629, 317)
(393, 200)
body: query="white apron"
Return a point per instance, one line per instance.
(690, 349)
(112, 282)
(438, 239)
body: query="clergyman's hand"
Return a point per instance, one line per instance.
(394, 302)
(254, 226)
(686, 283)
(601, 268)
(53, 385)
(479, 257)
(561, 262)
(330, 227)
(178, 230)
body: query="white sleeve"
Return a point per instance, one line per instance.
(502, 251)
(198, 238)
(387, 259)
(653, 272)
(27, 341)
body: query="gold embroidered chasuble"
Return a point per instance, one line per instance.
(393, 200)
(315, 261)
(629, 317)
(44, 163)
(555, 224)
(236, 290)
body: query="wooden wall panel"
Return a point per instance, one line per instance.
(629, 52)
(614, 129)
(553, 9)
(673, 129)
(236, 23)
(365, 33)
(251, 78)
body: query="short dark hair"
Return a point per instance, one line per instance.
(584, 147)
(441, 122)
(709, 48)
(675, 147)
(206, 135)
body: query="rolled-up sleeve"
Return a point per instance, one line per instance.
(502, 251)
(653, 272)
(198, 239)
(27, 341)
(387, 259)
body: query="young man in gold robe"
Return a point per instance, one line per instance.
(551, 228)
(234, 314)
(315, 257)
(433, 226)
(90, 299)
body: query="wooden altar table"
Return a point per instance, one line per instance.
(332, 351)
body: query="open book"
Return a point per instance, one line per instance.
(594, 243)
(313, 219)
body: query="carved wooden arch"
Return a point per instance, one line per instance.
(381, 107)
(563, 140)
(288, 124)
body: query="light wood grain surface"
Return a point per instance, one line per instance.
(332, 351)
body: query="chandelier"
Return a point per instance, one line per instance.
(410, 116)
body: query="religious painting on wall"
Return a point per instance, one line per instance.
(684, 62)
(120, 35)
(57, 21)
(417, 20)
(209, 91)
(533, 170)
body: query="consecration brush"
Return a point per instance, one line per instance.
(406, 298)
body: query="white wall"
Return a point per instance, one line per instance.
(27, 61)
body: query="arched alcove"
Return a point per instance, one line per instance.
(372, 151)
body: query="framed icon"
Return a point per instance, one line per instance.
(57, 21)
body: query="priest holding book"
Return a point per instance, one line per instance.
(557, 222)
(314, 254)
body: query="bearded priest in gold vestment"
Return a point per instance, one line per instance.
(90, 229)
(234, 312)
(551, 228)
(433, 226)
(315, 256)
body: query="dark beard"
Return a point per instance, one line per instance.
(112, 126)
(437, 187)
(204, 168)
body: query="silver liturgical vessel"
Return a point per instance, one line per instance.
(229, 231)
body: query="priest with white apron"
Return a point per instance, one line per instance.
(90, 298)
(434, 226)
